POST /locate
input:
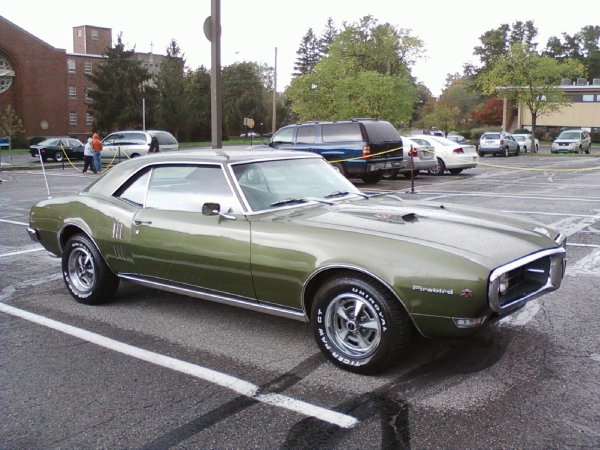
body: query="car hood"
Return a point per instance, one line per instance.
(481, 235)
(568, 141)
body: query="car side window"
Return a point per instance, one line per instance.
(342, 132)
(306, 135)
(283, 136)
(187, 188)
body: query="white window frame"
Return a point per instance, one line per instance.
(73, 118)
(71, 65)
(89, 118)
(95, 35)
(72, 92)
(88, 67)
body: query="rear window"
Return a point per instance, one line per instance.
(165, 138)
(491, 136)
(342, 132)
(381, 131)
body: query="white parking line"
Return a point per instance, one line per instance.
(227, 381)
(14, 222)
(4, 255)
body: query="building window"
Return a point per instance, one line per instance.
(73, 118)
(88, 67)
(598, 98)
(71, 63)
(79, 33)
(73, 92)
(95, 35)
(89, 119)
(87, 90)
(588, 98)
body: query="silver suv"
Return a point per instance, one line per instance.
(572, 141)
(498, 143)
(129, 144)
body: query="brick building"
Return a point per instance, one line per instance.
(47, 86)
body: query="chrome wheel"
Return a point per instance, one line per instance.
(58, 156)
(81, 270)
(352, 325)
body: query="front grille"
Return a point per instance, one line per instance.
(528, 278)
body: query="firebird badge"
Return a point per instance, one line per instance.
(466, 293)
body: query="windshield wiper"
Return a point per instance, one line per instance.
(289, 200)
(342, 193)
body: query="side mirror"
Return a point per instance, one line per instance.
(211, 209)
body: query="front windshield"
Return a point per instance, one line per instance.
(270, 184)
(568, 135)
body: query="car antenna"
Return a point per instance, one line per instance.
(44, 171)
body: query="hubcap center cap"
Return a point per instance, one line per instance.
(351, 325)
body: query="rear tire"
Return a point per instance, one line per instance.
(439, 169)
(58, 156)
(339, 166)
(358, 324)
(412, 174)
(390, 174)
(505, 152)
(87, 276)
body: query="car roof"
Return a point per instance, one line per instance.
(122, 171)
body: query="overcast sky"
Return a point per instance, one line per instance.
(252, 29)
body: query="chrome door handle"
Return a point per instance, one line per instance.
(138, 222)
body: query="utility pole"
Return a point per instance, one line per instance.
(212, 31)
(274, 124)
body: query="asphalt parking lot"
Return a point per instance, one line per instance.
(124, 374)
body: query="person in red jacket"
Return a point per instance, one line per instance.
(97, 147)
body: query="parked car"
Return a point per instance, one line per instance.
(459, 139)
(53, 148)
(498, 143)
(250, 134)
(419, 155)
(572, 141)
(283, 232)
(450, 156)
(524, 141)
(358, 148)
(131, 144)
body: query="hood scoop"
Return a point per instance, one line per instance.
(410, 217)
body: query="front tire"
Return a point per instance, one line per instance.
(58, 156)
(455, 171)
(505, 152)
(87, 276)
(439, 169)
(372, 178)
(358, 324)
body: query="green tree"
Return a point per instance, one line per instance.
(172, 108)
(117, 93)
(498, 41)
(363, 75)
(584, 46)
(197, 90)
(530, 80)
(327, 37)
(11, 125)
(459, 93)
(244, 95)
(440, 114)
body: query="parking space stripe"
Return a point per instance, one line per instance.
(14, 222)
(227, 381)
(4, 255)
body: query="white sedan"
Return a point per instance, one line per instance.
(524, 141)
(450, 155)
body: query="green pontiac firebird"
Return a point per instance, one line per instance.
(285, 233)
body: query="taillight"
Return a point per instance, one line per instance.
(366, 152)
(458, 150)
(501, 141)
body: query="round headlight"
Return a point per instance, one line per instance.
(503, 285)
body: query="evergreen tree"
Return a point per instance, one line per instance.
(308, 54)
(172, 102)
(327, 37)
(118, 90)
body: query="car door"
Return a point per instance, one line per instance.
(174, 243)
